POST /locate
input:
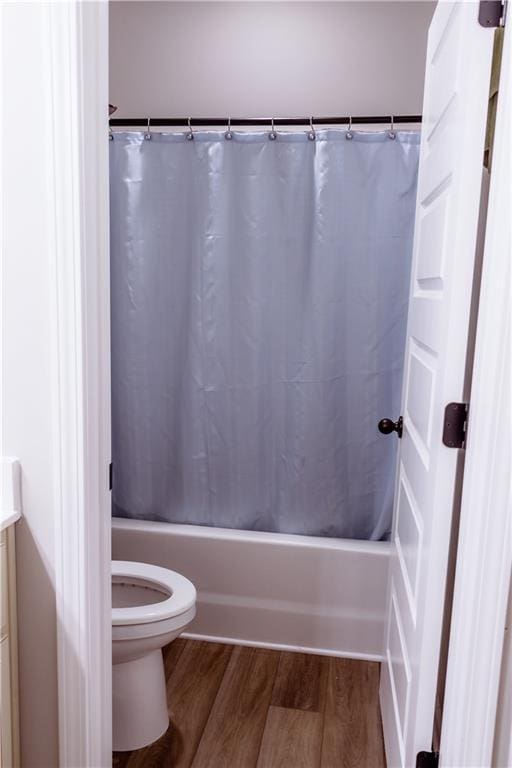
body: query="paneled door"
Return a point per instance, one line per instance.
(454, 120)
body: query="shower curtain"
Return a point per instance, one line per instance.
(259, 302)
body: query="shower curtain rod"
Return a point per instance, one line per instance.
(195, 122)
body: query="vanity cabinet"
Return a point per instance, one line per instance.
(9, 728)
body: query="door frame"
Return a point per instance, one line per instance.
(75, 41)
(78, 70)
(484, 554)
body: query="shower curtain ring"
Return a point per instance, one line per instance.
(391, 132)
(272, 135)
(147, 135)
(190, 134)
(228, 135)
(110, 133)
(349, 135)
(311, 134)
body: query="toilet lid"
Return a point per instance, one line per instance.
(182, 593)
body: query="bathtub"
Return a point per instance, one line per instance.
(272, 590)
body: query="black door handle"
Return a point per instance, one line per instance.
(387, 426)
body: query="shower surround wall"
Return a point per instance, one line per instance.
(259, 299)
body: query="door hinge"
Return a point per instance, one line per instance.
(110, 471)
(491, 13)
(427, 759)
(454, 426)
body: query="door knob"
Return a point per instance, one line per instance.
(387, 426)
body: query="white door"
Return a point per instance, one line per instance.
(454, 119)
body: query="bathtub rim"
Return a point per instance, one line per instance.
(298, 540)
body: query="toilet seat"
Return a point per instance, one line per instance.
(182, 593)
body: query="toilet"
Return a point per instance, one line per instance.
(151, 606)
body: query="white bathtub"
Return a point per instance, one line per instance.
(299, 593)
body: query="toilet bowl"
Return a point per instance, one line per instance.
(151, 606)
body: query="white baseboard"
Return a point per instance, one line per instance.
(282, 647)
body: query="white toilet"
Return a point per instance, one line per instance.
(150, 607)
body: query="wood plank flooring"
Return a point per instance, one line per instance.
(234, 707)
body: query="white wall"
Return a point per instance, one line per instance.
(27, 416)
(267, 58)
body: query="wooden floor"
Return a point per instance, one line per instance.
(234, 707)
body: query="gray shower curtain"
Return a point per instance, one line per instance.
(259, 301)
